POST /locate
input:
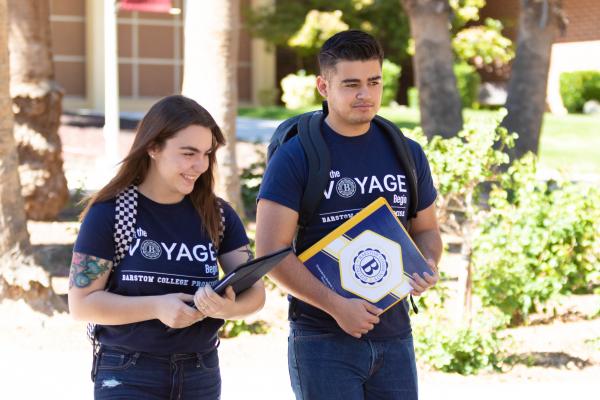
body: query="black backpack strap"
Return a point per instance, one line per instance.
(319, 164)
(406, 160)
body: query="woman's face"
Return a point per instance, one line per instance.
(184, 157)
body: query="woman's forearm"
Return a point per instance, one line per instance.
(102, 307)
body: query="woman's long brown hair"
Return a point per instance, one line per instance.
(164, 119)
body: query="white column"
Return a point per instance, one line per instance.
(263, 61)
(111, 87)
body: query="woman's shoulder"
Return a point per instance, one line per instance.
(101, 210)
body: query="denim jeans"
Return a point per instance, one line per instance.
(338, 366)
(123, 375)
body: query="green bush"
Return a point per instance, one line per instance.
(578, 87)
(299, 90)
(468, 82)
(391, 75)
(251, 178)
(450, 347)
(538, 241)
(413, 97)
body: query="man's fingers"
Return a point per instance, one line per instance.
(372, 309)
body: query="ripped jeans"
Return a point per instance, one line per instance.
(122, 375)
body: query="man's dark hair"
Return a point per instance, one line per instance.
(351, 45)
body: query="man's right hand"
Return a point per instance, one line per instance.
(356, 317)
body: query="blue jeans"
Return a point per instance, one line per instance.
(123, 375)
(337, 366)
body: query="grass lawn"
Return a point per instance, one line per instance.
(570, 143)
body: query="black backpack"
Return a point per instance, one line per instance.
(308, 127)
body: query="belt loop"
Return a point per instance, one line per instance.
(135, 357)
(198, 360)
(96, 349)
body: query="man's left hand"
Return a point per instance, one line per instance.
(421, 284)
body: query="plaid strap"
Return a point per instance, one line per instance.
(125, 219)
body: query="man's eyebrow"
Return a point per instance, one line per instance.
(355, 80)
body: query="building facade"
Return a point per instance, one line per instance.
(577, 50)
(150, 55)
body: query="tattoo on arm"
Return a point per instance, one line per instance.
(85, 269)
(248, 252)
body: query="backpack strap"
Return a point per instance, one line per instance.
(319, 164)
(406, 160)
(125, 219)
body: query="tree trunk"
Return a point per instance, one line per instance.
(439, 100)
(19, 276)
(539, 23)
(210, 77)
(36, 103)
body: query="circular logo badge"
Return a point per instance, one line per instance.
(150, 249)
(346, 187)
(370, 266)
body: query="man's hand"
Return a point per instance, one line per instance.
(356, 316)
(419, 284)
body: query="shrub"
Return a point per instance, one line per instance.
(251, 179)
(299, 90)
(538, 241)
(468, 82)
(413, 97)
(450, 347)
(578, 87)
(391, 75)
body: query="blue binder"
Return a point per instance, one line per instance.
(370, 256)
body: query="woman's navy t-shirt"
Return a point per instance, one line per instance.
(170, 253)
(363, 168)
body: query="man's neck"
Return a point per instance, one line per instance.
(345, 129)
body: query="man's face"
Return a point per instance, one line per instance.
(353, 91)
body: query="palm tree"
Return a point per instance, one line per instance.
(19, 276)
(36, 102)
(439, 100)
(210, 77)
(539, 24)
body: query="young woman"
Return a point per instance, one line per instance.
(153, 344)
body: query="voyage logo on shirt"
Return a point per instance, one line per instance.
(347, 187)
(174, 251)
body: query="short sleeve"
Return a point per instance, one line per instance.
(285, 176)
(95, 236)
(235, 233)
(427, 192)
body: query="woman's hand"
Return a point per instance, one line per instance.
(212, 305)
(172, 310)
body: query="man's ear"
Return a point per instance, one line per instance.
(322, 86)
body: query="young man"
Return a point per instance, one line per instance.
(343, 348)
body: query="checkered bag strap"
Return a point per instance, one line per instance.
(125, 218)
(125, 213)
(222, 223)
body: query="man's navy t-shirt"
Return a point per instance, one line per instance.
(170, 253)
(363, 168)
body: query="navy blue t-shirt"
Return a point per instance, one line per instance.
(170, 253)
(363, 168)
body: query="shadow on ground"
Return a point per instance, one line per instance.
(552, 359)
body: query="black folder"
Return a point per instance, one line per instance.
(246, 274)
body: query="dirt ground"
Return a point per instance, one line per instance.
(48, 356)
